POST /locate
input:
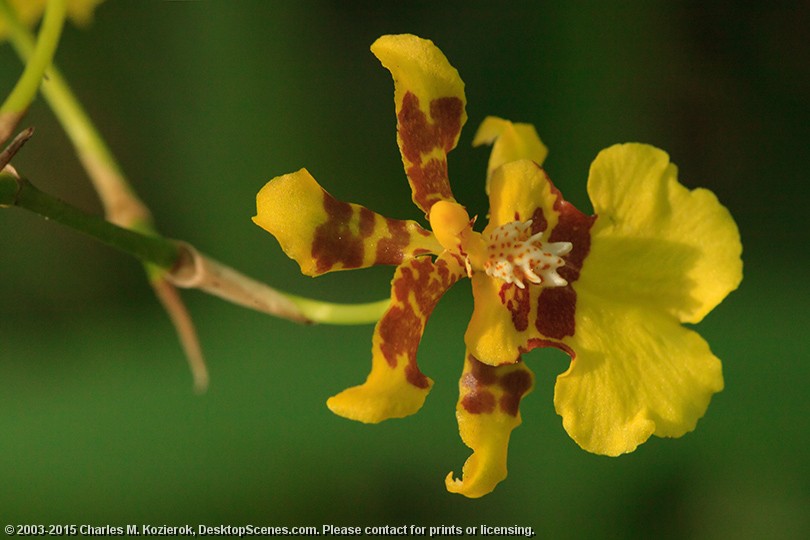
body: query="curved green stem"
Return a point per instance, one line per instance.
(122, 207)
(340, 314)
(183, 265)
(121, 204)
(40, 58)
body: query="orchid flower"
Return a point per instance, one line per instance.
(611, 290)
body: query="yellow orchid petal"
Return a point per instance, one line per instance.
(487, 412)
(521, 191)
(636, 372)
(510, 142)
(507, 320)
(323, 234)
(656, 243)
(396, 387)
(500, 330)
(429, 99)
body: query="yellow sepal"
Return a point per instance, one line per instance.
(323, 234)
(520, 191)
(510, 142)
(396, 387)
(487, 412)
(430, 106)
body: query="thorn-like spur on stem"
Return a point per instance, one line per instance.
(184, 326)
(121, 204)
(14, 146)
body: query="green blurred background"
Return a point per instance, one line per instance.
(203, 102)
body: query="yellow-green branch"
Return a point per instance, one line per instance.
(183, 265)
(40, 58)
(128, 225)
(121, 204)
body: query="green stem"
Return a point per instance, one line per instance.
(152, 249)
(339, 314)
(40, 56)
(121, 204)
(168, 255)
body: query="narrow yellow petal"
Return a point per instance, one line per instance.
(656, 243)
(429, 100)
(323, 234)
(510, 142)
(637, 372)
(487, 412)
(396, 387)
(521, 191)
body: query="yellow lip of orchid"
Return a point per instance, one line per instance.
(611, 290)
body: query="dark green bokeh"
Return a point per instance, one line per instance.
(203, 102)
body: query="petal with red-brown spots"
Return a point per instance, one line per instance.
(507, 320)
(429, 100)
(487, 412)
(396, 387)
(324, 234)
